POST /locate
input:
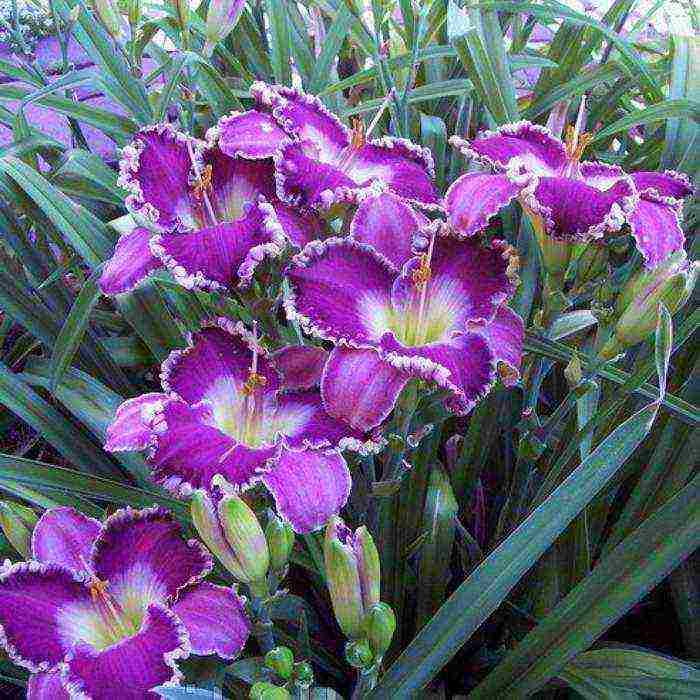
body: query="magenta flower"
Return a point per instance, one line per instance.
(566, 197)
(439, 316)
(318, 160)
(105, 610)
(227, 412)
(214, 218)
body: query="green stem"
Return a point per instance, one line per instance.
(366, 680)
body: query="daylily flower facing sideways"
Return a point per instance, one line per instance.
(318, 160)
(565, 197)
(105, 610)
(211, 218)
(439, 316)
(228, 412)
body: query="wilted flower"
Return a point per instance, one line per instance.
(226, 411)
(114, 605)
(438, 315)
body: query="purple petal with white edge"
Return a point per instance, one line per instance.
(474, 199)
(142, 555)
(532, 145)
(602, 176)
(309, 486)
(224, 256)
(303, 181)
(505, 333)
(656, 229)
(131, 263)
(35, 613)
(304, 117)
(359, 387)
(405, 168)
(215, 620)
(464, 366)
(340, 288)
(64, 536)
(574, 210)
(300, 227)
(249, 134)
(387, 223)
(155, 168)
(301, 366)
(134, 665)
(191, 451)
(671, 184)
(46, 686)
(132, 426)
(216, 364)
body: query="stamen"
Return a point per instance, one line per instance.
(114, 619)
(421, 277)
(253, 397)
(202, 184)
(577, 140)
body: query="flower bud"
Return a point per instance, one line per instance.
(380, 625)
(353, 573)
(303, 674)
(358, 654)
(109, 16)
(280, 541)
(262, 690)
(281, 661)
(233, 534)
(556, 253)
(222, 18)
(671, 283)
(17, 522)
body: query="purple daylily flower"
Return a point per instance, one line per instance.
(567, 198)
(393, 315)
(227, 412)
(106, 609)
(318, 160)
(214, 217)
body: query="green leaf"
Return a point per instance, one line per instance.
(280, 50)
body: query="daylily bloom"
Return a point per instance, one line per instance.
(105, 610)
(566, 198)
(439, 315)
(211, 218)
(318, 160)
(226, 412)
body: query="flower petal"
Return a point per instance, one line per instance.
(670, 184)
(134, 665)
(656, 229)
(301, 366)
(340, 289)
(132, 425)
(505, 333)
(155, 168)
(359, 387)
(131, 263)
(249, 134)
(215, 620)
(46, 686)
(224, 256)
(142, 555)
(387, 223)
(534, 147)
(300, 227)
(64, 536)
(33, 596)
(572, 209)
(308, 486)
(474, 199)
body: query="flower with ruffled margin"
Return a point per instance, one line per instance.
(229, 412)
(566, 198)
(210, 218)
(319, 161)
(105, 610)
(439, 315)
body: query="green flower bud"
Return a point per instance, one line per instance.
(556, 254)
(17, 522)
(280, 541)
(380, 625)
(359, 654)
(268, 691)
(281, 661)
(303, 674)
(222, 18)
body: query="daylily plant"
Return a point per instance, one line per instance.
(565, 197)
(228, 411)
(114, 605)
(439, 315)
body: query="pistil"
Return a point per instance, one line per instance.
(421, 277)
(202, 186)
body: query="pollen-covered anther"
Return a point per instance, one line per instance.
(576, 143)
(358, 138)
(421, 275)
(202, 184)
(507, 374)
(98, 589)
(255, 381)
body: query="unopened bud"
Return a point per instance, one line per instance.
(556, 253)
(380, 625)
(222, 18)
(281, 661)
(573, 371)
(280, 541)
(359, 654)
(303, 674)
(17, 522)
(109, 16)
(268, 691)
